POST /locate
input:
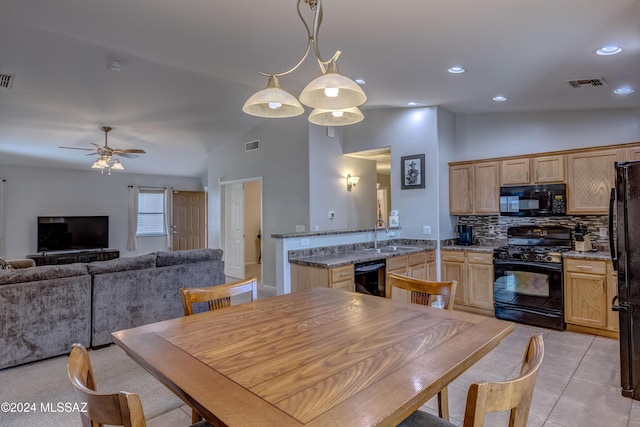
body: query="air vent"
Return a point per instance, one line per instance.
(6, 81)
(251, 146)
(587, 82)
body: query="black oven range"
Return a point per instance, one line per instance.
(528, 279)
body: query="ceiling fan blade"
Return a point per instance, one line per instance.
(128, 150)
(77, 148)
(127, 155)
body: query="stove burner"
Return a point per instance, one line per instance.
(551, 254)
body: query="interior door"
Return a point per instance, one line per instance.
(189, 220)
(234, 230)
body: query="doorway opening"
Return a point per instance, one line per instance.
(382, 157)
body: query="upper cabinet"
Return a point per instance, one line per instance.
(590, 179)
(474, 188)
(532, 170)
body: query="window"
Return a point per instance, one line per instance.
(151, 213)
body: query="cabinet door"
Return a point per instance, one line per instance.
(480, 285)
(632, 153)
(515, 172)
(585, 299)
(613, 322)
(432, 273)
(419, 271)
(548, 169)
(487, 187)
(455, 271)
(461, 189)
(590, 179)
(398, 265)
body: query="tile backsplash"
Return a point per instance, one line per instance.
(483, 224)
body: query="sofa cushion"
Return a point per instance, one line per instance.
(45, 272)
(122, 264)
(187, 257)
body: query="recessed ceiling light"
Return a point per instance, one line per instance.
(114, 66)
(499, 98)
(609, 50)
(623, 91)
(360, 81)
(413, 103)
(456, 70)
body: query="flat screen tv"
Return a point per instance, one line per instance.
(61, 233)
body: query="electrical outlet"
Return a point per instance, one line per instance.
(426, 229)
(317, 228)
(332, 215)
(492, 229)
(604, 232)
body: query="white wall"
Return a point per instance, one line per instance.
(282, 163)
(328, 169)
(408, 132)
(33, 192)
(481, 136)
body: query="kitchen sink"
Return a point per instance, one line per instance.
(390, 249)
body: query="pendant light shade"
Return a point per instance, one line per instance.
(273, 102)
(117, 166)
(340, 117)
(332, 90)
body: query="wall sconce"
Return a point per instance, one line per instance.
(352, 181)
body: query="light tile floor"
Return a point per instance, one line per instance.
(578, 384)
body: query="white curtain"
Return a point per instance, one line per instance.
(132, 241)
(2, 220)
(168, 213)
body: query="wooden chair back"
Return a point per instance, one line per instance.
(118, 409)
(217, 296)
(514, 395)
(423, 290)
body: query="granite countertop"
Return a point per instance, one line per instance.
(340, 258)
(596, 256)
(469, 248)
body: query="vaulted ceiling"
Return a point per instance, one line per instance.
(186, 67)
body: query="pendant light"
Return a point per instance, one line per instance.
(337, 117)
(330, 91)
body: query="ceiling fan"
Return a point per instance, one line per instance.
(109, 157)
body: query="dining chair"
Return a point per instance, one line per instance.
(421, 293)
(218, 296)
(117, 409)
(514, 395)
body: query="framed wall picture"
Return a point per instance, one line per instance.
(412, 171)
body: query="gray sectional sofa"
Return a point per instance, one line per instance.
(43, 310)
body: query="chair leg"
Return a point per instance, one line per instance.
(195, 417)
(443, 404)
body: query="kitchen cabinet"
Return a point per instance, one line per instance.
(588, 292)
(420, 266)
(474, 273)
(474, 188)
(307, 277)
(532, 170)
(590, 179)
(632, 153)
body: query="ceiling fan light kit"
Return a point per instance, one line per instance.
(330, 92)
(109, 157)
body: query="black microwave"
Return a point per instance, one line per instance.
(534, 200)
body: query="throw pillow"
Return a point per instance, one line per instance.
(4, 265)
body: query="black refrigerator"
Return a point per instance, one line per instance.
(624, 235)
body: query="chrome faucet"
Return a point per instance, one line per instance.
(375, 231)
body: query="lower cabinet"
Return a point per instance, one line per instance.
(307, 277)
(420, 266)
(589, 287)
(474, 273)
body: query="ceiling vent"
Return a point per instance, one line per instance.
(587, 82)
(251, 146)
(6, 81)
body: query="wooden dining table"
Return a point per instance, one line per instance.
(320, 357)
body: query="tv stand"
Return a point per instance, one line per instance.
(73, 256)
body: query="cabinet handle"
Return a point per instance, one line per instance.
(478, 258)
(345, 274)
(588, 267)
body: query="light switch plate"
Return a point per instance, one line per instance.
(332, 215)
(426, 229)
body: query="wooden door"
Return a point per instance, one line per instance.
(548, 169)
(585, 299)
(189, 220)
(480, 285)
(515, 172)
(234, 230)
(461, 189)
(487, 187)
(590, 179)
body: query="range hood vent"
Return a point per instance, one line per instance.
(251, 146)
(6, 81)
(587, 82)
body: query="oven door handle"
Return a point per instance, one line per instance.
(553, 267)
